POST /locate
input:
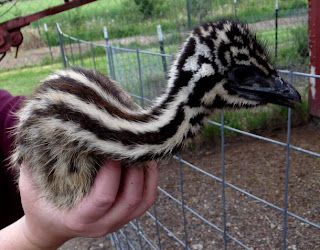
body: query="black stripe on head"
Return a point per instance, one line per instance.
(223, 47)
(203, 86)
(234, 31)
(262, 62)
(242, 57)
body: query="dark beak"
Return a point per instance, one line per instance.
(282, 93)
(268, 90)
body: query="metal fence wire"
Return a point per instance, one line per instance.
(131, 24)
(209, 217)
(211, 196)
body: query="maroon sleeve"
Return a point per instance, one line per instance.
(8, 104)
(10, 204)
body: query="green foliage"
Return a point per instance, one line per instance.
(152, 8)
(76, 17)
(200, 9)
(300, 35)
(25, 79)
(125, 18)
(264, 119)
(293, 52)
(146, 7)
(293, 4)
(17, 11)
(76, 56)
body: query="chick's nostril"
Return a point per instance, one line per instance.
(286, 91)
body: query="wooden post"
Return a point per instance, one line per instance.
(314, 48)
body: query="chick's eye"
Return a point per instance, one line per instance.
(242, 73)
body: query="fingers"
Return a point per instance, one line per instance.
(139, 193)
(149, 195)
(150, 190)
(130, 194)
(102, 194)
(115, 198)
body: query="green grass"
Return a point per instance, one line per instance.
(268, 35)
(23, 81)
(263, 118)
(86, 11)
(123, 18)
(266, 119)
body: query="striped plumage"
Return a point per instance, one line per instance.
(77, 117)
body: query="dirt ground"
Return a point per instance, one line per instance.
(256, 166)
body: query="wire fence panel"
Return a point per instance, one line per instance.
(133, 23)
(239, 192)
(198, 206)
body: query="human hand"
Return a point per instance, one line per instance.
(116, 197)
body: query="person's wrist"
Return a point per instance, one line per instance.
(41, 238)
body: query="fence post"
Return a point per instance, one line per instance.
(286, 192)
(182, 203)
(113, 70)
(38, 27)
(47, 36)
(93, 56)
(71, 50)
(61, 47)
(276, 31)
(189, 13)
(80, 53)
(160, 39)
(314, 48)
(223, 183)
(140, 78)
(105, 34)
(235, 7)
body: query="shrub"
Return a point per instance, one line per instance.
(300, 38)
(149, 8)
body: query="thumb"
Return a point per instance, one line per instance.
(27, 187)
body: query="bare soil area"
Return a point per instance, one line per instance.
(256, 166)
